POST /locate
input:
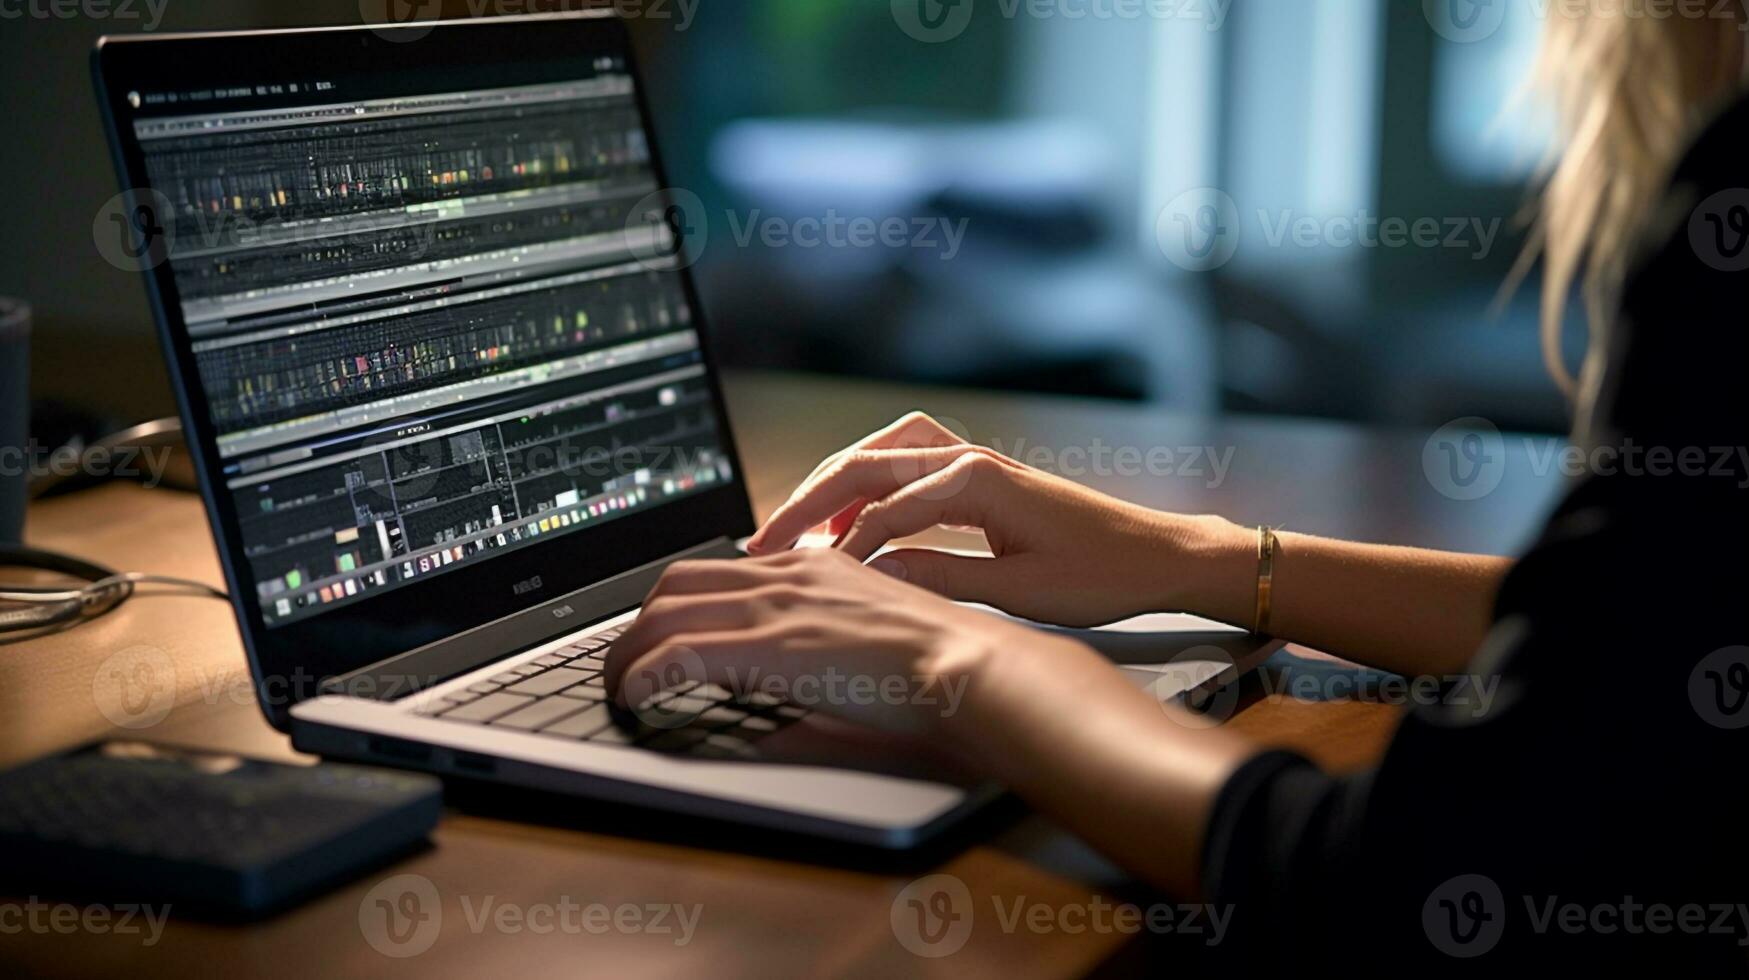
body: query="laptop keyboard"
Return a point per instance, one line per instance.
(562, 695)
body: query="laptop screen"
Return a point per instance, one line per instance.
(433, 327)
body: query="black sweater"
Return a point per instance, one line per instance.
(1596, 814)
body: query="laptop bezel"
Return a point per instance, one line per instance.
(290, 663)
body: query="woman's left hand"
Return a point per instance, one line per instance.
(833, 635)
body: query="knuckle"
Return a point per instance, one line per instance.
(982, 463)
(782, 598)
(680, 570)
(874, 514)
(857, 459)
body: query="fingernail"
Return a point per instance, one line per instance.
(888, 566)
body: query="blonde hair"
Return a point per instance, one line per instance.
(1629, 89)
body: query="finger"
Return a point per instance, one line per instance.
(671, 615)
(914, 431)
(862, 476)
(728, 658)
(837, 494)
(963, 493)
(986, 580)
(845, 519)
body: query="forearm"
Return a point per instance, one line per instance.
(1407, 610)
(1137, 780)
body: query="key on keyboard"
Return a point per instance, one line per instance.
(564, 696)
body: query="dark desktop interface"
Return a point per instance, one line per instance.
(430, 327)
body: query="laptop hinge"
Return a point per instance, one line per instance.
(408, 673)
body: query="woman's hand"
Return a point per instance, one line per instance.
(1064, 554)
(822, 630)
(1040, 713)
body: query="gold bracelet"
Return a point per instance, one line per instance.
(1266, 547)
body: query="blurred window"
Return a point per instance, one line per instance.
(1488, 126)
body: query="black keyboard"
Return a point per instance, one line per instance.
(129, 821)
(562, 695)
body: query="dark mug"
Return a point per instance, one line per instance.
(14, 417)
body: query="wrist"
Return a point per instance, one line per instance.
(1219, 582)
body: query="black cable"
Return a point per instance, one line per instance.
(24, 608)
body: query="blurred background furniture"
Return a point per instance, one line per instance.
(1059, 145)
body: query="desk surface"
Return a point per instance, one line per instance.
(766, 906)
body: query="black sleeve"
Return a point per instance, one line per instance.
(1604, 772)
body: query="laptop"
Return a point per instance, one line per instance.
(425, 299)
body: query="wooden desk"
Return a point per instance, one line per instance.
(770, 907)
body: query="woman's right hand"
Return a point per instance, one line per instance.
(1063, 553)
